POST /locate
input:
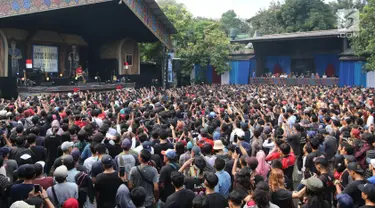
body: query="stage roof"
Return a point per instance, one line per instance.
(102, 20)
(293, 36)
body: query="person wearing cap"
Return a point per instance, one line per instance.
(355, 171)
(368, 194)
(66, 148)
(21, 191)
(107, 183)
(4, 183)
(145, 176)
(126, 159)
(181, 197)
(10, 165)
(165, 185)
(344, 201)
(97, 166)
(63, 190)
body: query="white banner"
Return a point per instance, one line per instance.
(46, 58)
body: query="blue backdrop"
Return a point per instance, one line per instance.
(323, 60)
(239, 74)
(352, 74)
(283, 61)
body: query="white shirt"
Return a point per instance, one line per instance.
(370, 120)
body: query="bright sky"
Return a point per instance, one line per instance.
(214, 8)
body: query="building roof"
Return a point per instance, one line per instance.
(292, 36)
(161, 16)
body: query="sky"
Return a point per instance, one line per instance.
(214, 8)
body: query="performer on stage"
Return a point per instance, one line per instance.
(80, 74)
(73, 59)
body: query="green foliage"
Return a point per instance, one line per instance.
(206, 44)
(267, 21)
(230, 20)
(294, 16)
(346, 4)
(198, 41)
(364, 42)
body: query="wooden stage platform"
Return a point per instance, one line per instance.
(94, 86)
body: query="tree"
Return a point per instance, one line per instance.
(364, 42)
(206, 44)
(307, 15)
(199, 40)
(267, 21)
(347, 4)
(230, 20)
(294, 16)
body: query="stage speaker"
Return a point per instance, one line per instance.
(8, 88)
(177, 65)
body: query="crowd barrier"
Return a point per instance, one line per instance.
(294, 81)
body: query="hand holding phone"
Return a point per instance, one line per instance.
(122, 171)
(37, 188)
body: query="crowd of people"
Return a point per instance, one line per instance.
(193, 147)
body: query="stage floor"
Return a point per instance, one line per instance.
(70, 88)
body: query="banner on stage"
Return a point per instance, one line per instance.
(46, 58)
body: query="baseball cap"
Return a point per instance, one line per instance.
(147, 146)
(67, 160)
(21, 204)
(76, 154)
(189, 145)
(267, 130)
(196, 150)
(4, 150)
(353, 166)
(126, 143)
(212, 115)
(369, 190)
(216, 136)
(344, 201)
(370, 154)
(170, 153)
(313, 184)
(107, 160)
(350, 158)
(66, 145)
(61, 172)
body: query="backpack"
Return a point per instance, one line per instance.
(58, 205)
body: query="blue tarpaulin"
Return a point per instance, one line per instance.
(239, 74)
(352, 73)
(276, 63)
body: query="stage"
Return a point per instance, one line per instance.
(295, 81)
(93, 86)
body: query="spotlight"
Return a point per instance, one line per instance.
(76, 78)
(23, 78)
(96, 78)
(61, 75)
(47, 78)
(120, 2)
(18, 73)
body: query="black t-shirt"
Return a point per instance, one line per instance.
(162, 147)
(165, 179)
(353, 191)
(216, 200)
(196, 185)
(282, 198)
(180, 199)
(51, 143)
(106, 186)
(38, 153)
(294, 141)
(114, 150)
(311, 157)
(19, 192)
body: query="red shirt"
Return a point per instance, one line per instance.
(204, 141)
(287, 161)
(79, 70)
